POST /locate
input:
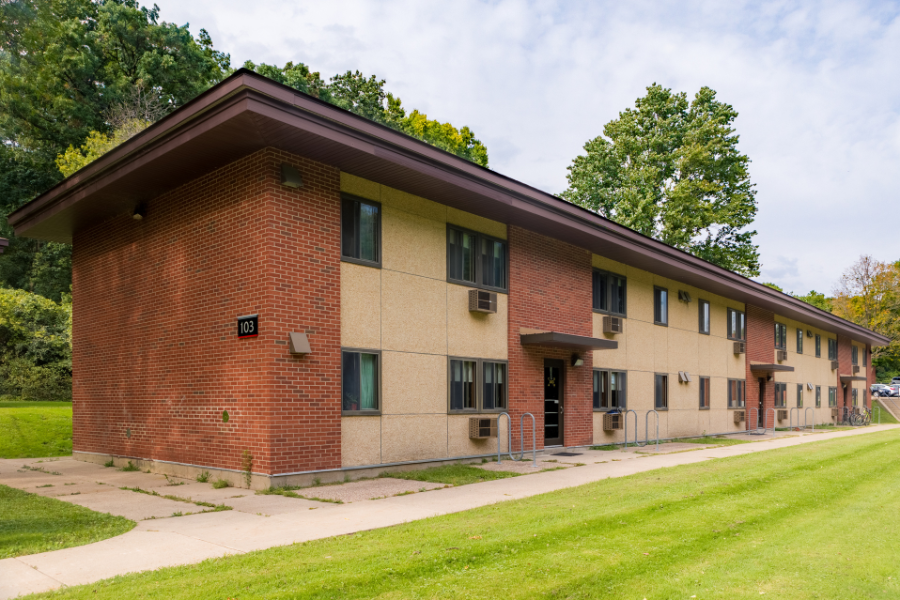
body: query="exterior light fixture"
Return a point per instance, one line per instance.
(299, 343)
(290, 176)
(138, 214)
(577, 361)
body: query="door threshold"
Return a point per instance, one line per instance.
(553, 447)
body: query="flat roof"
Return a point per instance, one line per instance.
(556, 339)
(247, 112)
(770, 367)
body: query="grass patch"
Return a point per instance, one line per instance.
(35, 429)
(671, 533)
(718, 441)
(886, 417)
(221, 484)
(454, 475)
(289, 492)
(30, 524)
(210, 505)
(130, 467)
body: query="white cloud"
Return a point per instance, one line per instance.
(815, 85)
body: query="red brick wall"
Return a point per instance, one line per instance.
(549, 289)
(155, 349)
(845, 367)
(760, 348)
(869, 371)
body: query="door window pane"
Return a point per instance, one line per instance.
(462, 385)
(818, 396)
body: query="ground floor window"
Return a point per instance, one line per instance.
(799, 395)
(780, 395)
(704, 393)
(855, 398)
(463, 391)
(609, 390)
(494, 386)
(735, 393)
(359, 381)
(661, 395)
(832, 397)
(476, 384)
(818, 396)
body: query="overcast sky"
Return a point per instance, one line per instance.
(816, 86)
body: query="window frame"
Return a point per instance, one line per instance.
(743, 321)
(378, 366)
(700, 305)
(780, 344)
(478, 267)
(854, 355)
(656, 290)
(799, 340)
(479, 386)
(854, 397)
(818, 346)
(832, 397)
(705, 388)
(799, 395)
(781, 387)
(740, 385)
(607, 311)
(832, 345)
(818, 396)
(657, 378)
(624, 378)
(378, 233)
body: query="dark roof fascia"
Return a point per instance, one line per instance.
(846, 378)
(286, 104)
(770, 367)
(556, 339)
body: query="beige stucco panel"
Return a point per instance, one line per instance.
(683, 351)
(351, 184)
(459, 442)
(640, 295)
(607, 264)
(472, 334)
(413, 383)
(660, 349)
(413, 244)
(360, 441)
(413, 437)
(360, 306)
(476, 223)
(416, 205)
(640, 391)
(610, 359)
(640, 335)
(414, 317)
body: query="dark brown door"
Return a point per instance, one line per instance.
(761, 413)
(553, 402)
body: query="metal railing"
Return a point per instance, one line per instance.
(509, 449)
(625, 427)
(810, 408)
(755, 430)
(647, 428)
(791, 418)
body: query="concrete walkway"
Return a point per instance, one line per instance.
(259, 522)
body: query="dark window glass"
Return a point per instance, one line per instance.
(617, 295)
(609, 390)
(662, 392)
(818, 396)
(661, 306)
(476, 259)
(704, 316)
(493, 263)
(865, 357)
(494, 386)
(704, 392)
(832, 349)
(461, 250)
(601, 291)
(735, 325)
(735, 393)
(781, 336)
(799, 341)
(832, 397)
(854, 355)
(608, 292)
(462, 385)
(780, 395)
(799, 395)
(359, 381)
(818, 345)
(855, 397)
(360, 230)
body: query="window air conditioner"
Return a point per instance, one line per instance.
(782, 415)
(482, 429)
(855, 369)
(782, 355)
(612, 421)
(834, 365)
(739, 416)
(740, 347)
(612, 325)
(482, 301)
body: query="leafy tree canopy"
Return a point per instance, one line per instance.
(817, 299)
(670, 169)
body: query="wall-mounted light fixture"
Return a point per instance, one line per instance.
(290, 176)
(577, 361)
(684, 377)
(139, 212)
(684, 296)
(770, 377)
(299, 343)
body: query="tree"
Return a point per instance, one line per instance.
(670, 169)
(817, 299)
(777, 288)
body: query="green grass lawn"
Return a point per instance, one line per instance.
(886, 417)
(35, 429)
(818, 520)
(30, 524)
(452, 474)
(718, 441)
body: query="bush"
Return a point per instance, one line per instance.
(35, 346)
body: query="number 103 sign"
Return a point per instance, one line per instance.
(248, 326)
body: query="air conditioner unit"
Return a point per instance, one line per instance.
(612, 421)
(482, 301)
(834, 365)
(855, 369)
(482, 429)
(739, 416)
(612, 325)
(809, 333)
(782, 415)
(740, 347)
(782, 355)
(834, 413)
(684, 296)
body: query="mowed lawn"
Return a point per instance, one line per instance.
(35, 429)
(820, 520)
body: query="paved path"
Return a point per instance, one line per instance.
(259, 522)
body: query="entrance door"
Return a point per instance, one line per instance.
(553, 402)
(761, 413)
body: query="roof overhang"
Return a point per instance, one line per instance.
(568, 341)
(769, 368)
(849, 378)
(248, 112)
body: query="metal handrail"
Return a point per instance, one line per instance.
(791, 418)
(755, 430)
(766, 421)
(509, 449)
(647, 428)
(809, 408)
(625, 426)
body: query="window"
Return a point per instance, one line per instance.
(475, 259)
(660, 306)
(855, 397)
(832, 349)
(832, 397)
(661, 395)
(360, 231)
(865, 356)
(818, 396)
(799, 395)
(799, 341)
(609, 390)
(704, 393)
(359, 381)
(818, 345)
(780, 395)
(609, 293)
(854, 355)
(781, 336)
(735, 393)
(477, 385)
(735, 325)
(704, 316)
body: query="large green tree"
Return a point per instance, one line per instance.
(670, 169)
(63, 65)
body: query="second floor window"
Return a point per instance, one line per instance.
(609, 293)
(704, 316)
(780, 395)
(854, 355)
(360, 231)
(476, 259)
(832, 349)
(818, 345)
(781, 336)
(359, 381)
(660, 306)
(736, 325)
(799, 340)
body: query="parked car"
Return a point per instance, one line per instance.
(876, 388)
(891, 390)
(895, 380)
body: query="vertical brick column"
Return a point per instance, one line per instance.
(760, 348)
(549, 289)
(870, 377)
(845, 367)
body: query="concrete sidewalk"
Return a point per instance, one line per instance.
(259, 522)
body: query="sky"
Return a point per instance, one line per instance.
(816, 86)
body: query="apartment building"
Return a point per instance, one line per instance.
(264, 274)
